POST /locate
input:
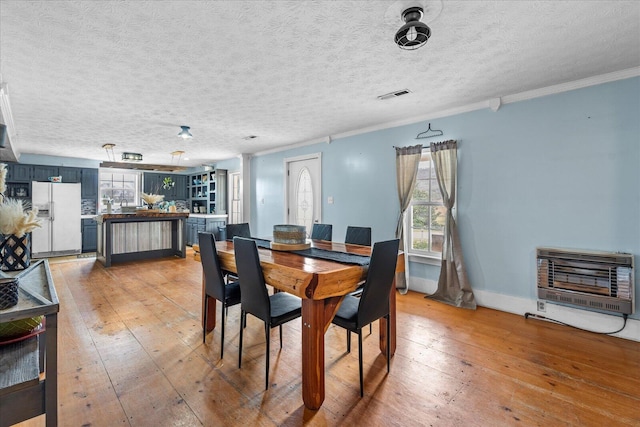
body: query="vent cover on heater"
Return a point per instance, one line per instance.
(586, 279)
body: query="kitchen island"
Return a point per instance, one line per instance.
(140, 235)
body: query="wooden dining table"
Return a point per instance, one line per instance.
(322, 285)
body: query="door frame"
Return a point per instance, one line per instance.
(287, 160)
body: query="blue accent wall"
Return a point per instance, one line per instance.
(230, 165)
(561, 170)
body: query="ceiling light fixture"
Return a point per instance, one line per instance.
(110, 154)
(413, 34)
(184, 133)
(132, 157)
(177, 154)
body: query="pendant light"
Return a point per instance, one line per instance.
(131, 157)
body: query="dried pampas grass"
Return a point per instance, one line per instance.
(152, 199)
(3, 179)
(14, 219)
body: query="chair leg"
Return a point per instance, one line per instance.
(360, 362)
(222, 331)
(243, 319)
(204, 320)
(267, 334)
(280, 336)
(348, 341)
(370, 330)
(388, 344)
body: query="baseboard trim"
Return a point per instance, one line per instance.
(583, 319)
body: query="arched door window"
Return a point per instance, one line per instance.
(304, 199)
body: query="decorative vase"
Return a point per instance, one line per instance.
(15, 252)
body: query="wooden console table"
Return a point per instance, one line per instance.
(28, 368)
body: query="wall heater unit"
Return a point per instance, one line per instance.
(586, 279)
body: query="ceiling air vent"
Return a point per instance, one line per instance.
(394, 94)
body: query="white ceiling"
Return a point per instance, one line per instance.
(81, 74)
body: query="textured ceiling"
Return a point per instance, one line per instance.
(81, 74)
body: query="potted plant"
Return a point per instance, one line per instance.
(168, 183)
(152, 199)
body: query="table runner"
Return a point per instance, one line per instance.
(262, 243)
(341, 257)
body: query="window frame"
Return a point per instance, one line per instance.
(420, 255)
(235, 199)
(138, 187)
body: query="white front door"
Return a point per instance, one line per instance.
(304, 190)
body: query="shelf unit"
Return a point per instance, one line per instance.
(208, 192)
(29, 380)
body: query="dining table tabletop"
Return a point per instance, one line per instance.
(321, 284)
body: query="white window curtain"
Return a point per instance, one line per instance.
(453, 285)
(407, 162)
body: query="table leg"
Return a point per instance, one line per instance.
(51, 371)
(312, 353)
(392, 320)
(211, 314)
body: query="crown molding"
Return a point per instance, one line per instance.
(490, 103)
(577, 84)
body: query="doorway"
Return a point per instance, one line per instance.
(304, 190)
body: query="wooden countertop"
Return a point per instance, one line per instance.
(142, 214)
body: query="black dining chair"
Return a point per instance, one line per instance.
(373, 304)
(322, 232)
(274, 310)
(233, 230)
(358, 236)
(240, 230)
(227, 293)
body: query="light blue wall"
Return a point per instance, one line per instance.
(230, 165)
(561, 170)
(358, 172)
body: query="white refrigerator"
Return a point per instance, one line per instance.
(59, 208)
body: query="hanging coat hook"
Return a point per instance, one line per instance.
(423, 135)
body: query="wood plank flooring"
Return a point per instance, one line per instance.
(131, 354)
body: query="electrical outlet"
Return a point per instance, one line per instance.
(542, 306)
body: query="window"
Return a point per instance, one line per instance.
(235, 216)
(123, 187)
(426, 213)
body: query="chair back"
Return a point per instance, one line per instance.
(213, 280)
(254, 297)
(322, 232)
(358, 236)
(240, 230)
(374, 302)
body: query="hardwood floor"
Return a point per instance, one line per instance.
(131, 353)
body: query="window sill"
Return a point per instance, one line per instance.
(425, 259)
